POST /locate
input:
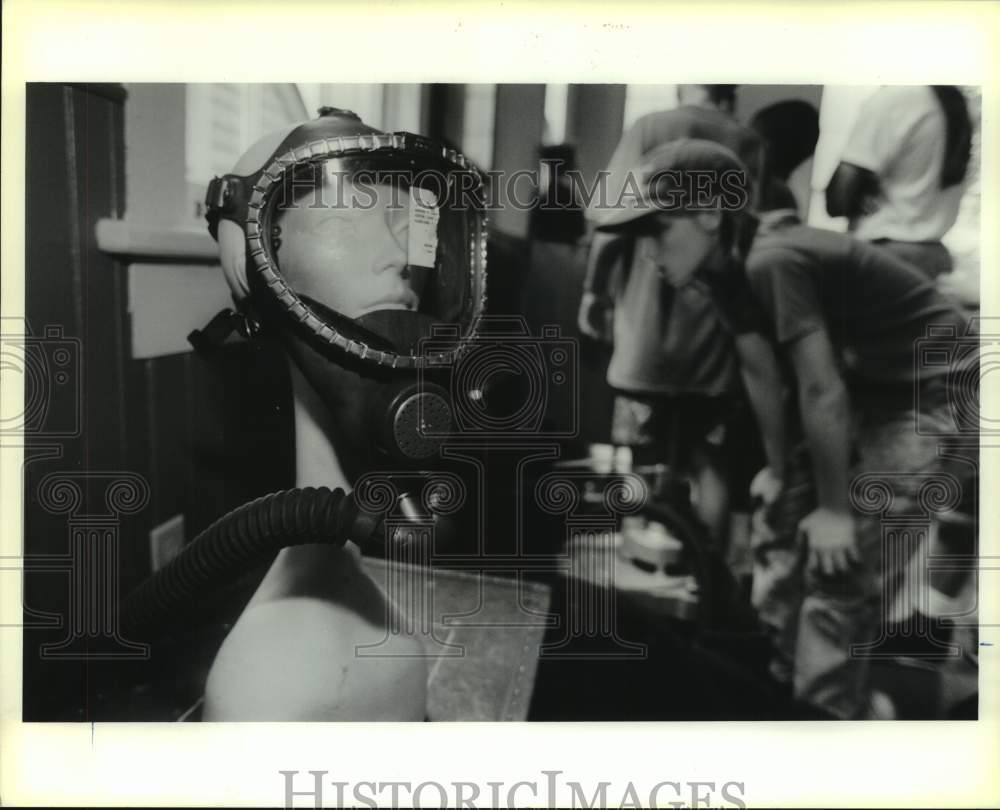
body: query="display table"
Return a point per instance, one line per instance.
(483, 633)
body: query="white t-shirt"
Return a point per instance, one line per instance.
(900, 137)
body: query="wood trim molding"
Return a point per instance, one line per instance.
(121, 238)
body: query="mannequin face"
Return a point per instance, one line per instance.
(352, 259)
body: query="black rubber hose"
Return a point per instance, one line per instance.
(688, 529)
(246, 536)
(718, 602)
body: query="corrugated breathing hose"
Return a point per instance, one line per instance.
(246, 536)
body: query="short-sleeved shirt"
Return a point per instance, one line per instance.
(736, 304)
(874, 306)
(899, 136)
(670, 341)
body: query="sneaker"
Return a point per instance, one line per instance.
(880, 707)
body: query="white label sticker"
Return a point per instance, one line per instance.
(424, 216)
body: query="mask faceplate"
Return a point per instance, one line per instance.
(366, 241)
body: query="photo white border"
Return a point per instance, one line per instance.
(801, 764)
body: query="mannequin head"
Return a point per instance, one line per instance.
(309, 268)
(351, 246)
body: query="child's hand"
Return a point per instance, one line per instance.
(831, 541)
(766, 486)
(594, 318)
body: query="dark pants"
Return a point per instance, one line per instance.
(668, 429)
(930, 258)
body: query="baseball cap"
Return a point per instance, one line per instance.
(684, 175)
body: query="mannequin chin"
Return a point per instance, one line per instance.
(291, 656)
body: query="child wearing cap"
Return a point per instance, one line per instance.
(845, 317)
(716, 190)
(672, 368)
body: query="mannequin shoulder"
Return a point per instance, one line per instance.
(317, 643)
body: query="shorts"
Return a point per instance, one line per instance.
(668, 428)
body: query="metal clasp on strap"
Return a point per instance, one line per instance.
(209, 339)
(219, 193)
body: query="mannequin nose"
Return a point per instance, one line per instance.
(395, 252)
(393, 257)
